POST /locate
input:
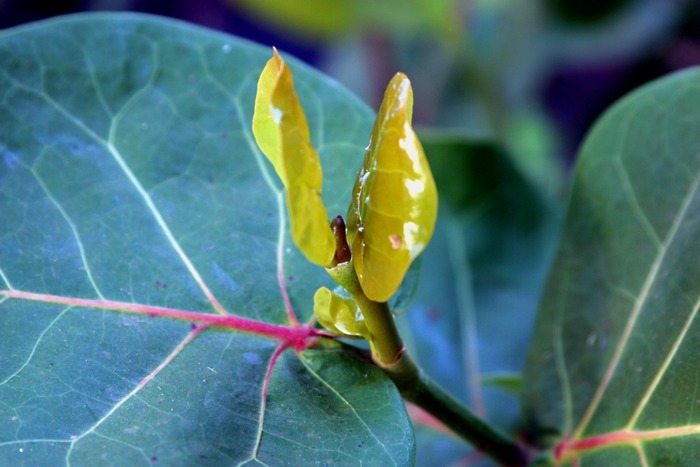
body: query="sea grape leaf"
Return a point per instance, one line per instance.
(339, 314)
(282, 133)
(612, 375)
(129, 179)
(394, 202)
(482, 276)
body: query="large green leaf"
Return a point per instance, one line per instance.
(612, 377)
(129, 179)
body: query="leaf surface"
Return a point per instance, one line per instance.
(612, 376)
(131, 190)
(339, 314)
(282, 133)
(394, 203)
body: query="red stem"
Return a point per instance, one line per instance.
(297, 336)
(568, 448)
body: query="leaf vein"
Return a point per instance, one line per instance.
(74, 230)
(171, 356)
(345, 401)
(263, 400)
(638, 305)
(664, 366)
(5, 280)
(109, 145)
(165, 228)
(38, 340)
(561, 365)
(631, 195)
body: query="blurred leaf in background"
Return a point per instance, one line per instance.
(615, 348)
(482, 275)
(490, 66)
(335, 18)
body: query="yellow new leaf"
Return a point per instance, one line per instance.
(392, 214)
(282, 133)
(338, 314)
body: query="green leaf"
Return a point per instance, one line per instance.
(510, 382)
(481, 280)
(131, 191)
(612, 375)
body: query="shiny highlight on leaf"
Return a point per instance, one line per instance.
(392, 214)
(338, 314)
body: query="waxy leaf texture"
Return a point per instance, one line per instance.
(132, 193)
(394, 202)
(282, 133)
(613, 376)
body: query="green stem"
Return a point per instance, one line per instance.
(416, 387)
(386, 343)
(388, 352)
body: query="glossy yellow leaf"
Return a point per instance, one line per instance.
(338, 314)
(282, 133)
(265, 129)
(394, 204)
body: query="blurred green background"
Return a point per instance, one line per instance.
(505, 91)
(534, 74)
